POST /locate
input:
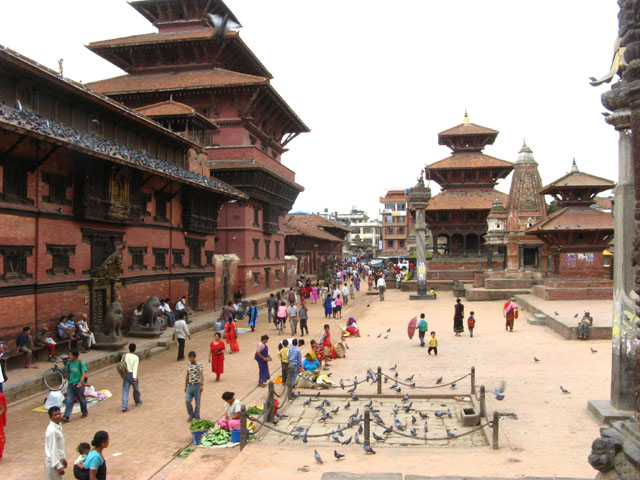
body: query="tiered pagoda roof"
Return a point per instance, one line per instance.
(577, 188)
(176, 110)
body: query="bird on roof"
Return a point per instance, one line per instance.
(223, 25)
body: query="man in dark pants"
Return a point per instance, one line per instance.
(76, 372)
(181, 332)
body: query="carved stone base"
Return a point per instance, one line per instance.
(426, 296)
(606, 413)
(616, 454)
(114, 346)
(144, 333)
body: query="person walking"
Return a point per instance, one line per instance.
(131, 362)
(292, 315)
(3, 422)
(295, 360)
(253, 315)
(231, 332)
(262, 357)
(216, 355)
(345, 294)
(458, 317)
(76, 372)
(314, 294)
(471, 323)
(422, 329)
(510, 313)
(272, 307)
(382, 286)
(433, 344)
(181, 333)
(95, 461)
(55, 455)
(283, 355)
(303, 313)
(193, 384)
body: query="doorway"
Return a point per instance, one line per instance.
(194, 293)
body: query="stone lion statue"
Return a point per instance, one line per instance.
(151, 312)
(112, 325)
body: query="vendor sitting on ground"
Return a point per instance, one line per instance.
(583, 326)
(231, 419)
(352, 328)
(310, 363)
(43, 338)
(316, 350)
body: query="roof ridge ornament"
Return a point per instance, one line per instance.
(574, 167)
(466, 120)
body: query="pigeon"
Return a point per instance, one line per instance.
(377, 437)
(412, 385)
(564, 390)
(388, 330)
(413, 420)
(387, 431)
(398, 389)
(347, 441)
(355, 381)
(354, 398)
(405, 398)
(380, 334)
(317, 456)
(535, 359)
(347, 405)
(395, 409)
(409, 379)
(307, 402)
(426, 427)
(223, 25)
(368, 449)
(453, 385)
(356, 438)
(555, 313)
(408, 407)
(386, 336)
(394, 386)
(339, 431)
(394, 367)
(335, 438)
(324, 417)
(500, 388)
(304, 435)
(338, 456)
(320, 407)
(449, 414)
(396, 375)
(360, 429)
(398, 425)
(423, 415)
(296, 435)
(281, 415)
(499, 397)
(594, 351)
(413, 432)
(439, 380)
(341, 384)
(450, 433)
(368, 405)
(575, 316)
(327, 403)
(335, 410)
(439, 414)
(304, 468)
(386, 379)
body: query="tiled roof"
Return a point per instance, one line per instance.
(146, 38)
(469, 160)
(315, 221)
(575, 218)
(311, 225)
(605, 203)
(579, 179)
(215, 77)
(251, 164)
(170, 108)
(468, 129)
(466, 200)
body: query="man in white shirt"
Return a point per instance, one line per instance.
(55, 454)
(131, 360)
(336, 292)
(231, 419)
(181, 306)
(382, 286)
(164, 307)
(181, 332)
(345, 293)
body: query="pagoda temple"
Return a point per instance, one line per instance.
(457, 216)
(190, 80)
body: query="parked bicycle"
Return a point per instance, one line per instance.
(54, 378)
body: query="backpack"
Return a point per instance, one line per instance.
(122, 367)
(471, 322)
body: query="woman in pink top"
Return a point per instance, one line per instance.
(314, 294)
(339, 306)
(281, 315)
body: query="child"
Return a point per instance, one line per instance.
(471, 322)
(433, 344)
(433, 292)
(79, 470)
(422, 329)
(339, 306)
(304, 315)
(283, 355)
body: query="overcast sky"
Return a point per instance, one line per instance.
(377, 80)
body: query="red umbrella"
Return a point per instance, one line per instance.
(411, 328)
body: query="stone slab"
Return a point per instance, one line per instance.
(360, 476)
(536, 321)
(606, 413)
(451, 477)
(415, 296)
(474, 294)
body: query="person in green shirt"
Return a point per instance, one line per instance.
(76, 371)
(422, 329)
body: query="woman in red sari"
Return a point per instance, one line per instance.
(216, 355)
(3, 421)
(509, 311)
(231, 332)
(325, 341)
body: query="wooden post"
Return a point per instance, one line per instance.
(496, 430)
(367, 426)
(473, 380)
(269, 403)
(483, 405)
(379, 380)
(243, 427)
(289, 391)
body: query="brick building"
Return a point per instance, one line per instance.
(98, 203)
(222, 81)
(396, 224)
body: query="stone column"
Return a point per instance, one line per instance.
(419, 197)
(489, 252)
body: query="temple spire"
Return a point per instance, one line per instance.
(525, 155)
(466, 120)
(574, 167)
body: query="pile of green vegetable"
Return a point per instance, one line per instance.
(199, 425)
(186, 452)
(254, 410)
(216, 437)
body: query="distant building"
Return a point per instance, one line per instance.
(396, 224)
(365, 234)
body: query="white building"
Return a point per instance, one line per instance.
(365, 233)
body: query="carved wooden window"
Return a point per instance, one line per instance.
(137, 258)
(160, 256)
(177, 257)
(390, 243)
(58, 185)
(26, 97)
(267, 249)
(400, 243)
(161, 207)
(103, 243)
(14, 260)
(256, 249)
(277, 242)
(267, 278)
(14, 182)
(209, 256)
(8, 90)
(278, 273)
(256, 278)
(46, 105)
(400, 230)
(195, 252)
(80, 119)
(256, 216)
(63, 113)
(60, 255)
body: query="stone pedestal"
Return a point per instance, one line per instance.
(616, 454)
(419, 197)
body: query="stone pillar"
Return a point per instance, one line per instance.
(521, 257)
(464, 245)
(419, 197)
(489, 253)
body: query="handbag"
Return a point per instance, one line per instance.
(122, 368)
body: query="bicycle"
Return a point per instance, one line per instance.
(279, 325)
(54, 378)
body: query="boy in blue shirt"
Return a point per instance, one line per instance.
(422, 329)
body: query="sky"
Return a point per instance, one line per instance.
(377, 80)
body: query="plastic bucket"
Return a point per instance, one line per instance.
(235, 436)
(197, 436)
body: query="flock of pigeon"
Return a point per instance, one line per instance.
(52, 128)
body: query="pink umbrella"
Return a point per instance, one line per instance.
(411, 328)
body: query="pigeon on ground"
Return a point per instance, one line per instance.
(398, 389)
(356, 438)
(360, 429)
(426, 427)
(555, 313)
(355, 381)
(500, 389)
(320, 407)
(335, 410)
(413, 432)
(339, 430)
(449, 414)
(387, 430)
(394, 367)
(347, 441)
(405, 398)
(409, 379)
(594, 351)
(338, 455)
(368, 405)
(377, 437)
(335, 438)
(380, 334)
(439, 414)
(388, 330)
(499, 397)
(368, 449)
(281, 415)
(394, 386)
(408, 407)
(341, 384)
(354, 398)
(412, 385)
(327, 403)
(413, 420)
(386, 336)
(439, 380)
(450, 433)
(575, 316)
(453, 385)
(317, 456)
(564, 390)
(307, 402)
(325, 416)
(386, 379)
(423, 415)
(304, 468)
(396, 375)
(347, 405)
(395, 409)
(535, 359)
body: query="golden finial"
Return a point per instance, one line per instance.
(574, 166)
(466, 117)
